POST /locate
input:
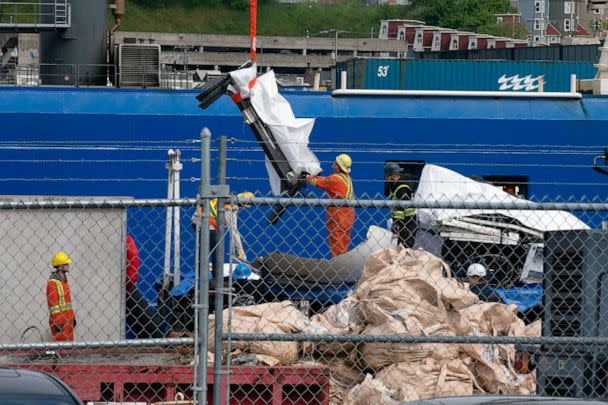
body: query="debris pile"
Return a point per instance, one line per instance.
(402, 292)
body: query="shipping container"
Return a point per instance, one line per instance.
(566, 53)
(383, 74)
(475, 75)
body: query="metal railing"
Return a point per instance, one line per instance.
(77, 75)
(82, 75)
(35, 15)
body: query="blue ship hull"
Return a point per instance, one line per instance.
(123, 137)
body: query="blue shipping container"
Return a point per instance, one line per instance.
(386, 74)
(473, 75)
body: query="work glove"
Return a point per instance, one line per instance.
(241, 255)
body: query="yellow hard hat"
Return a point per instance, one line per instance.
(244, 195)
(344, 162)
(59, 259)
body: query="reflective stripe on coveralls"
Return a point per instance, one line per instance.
(400, 212)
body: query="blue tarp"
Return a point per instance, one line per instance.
(525, 297)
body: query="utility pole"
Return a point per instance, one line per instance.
(334, 31)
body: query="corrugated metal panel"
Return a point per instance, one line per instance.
(492, 75)
(551, 53)
(572, 53)
(366, 73)
(382, 74)
(581, 53)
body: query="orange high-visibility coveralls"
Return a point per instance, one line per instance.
(339, 220)
(61, 315)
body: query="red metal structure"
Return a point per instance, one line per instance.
(295, 385)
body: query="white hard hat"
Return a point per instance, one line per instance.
(476, 269)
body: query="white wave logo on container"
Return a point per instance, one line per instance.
(516, 83)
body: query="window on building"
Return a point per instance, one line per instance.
(597, 11)
(455, 43)
(596, 25)
(536, 38)
(537, 6)
(498, 20)
(384, 30)
(419, 38)
(567, 7)
(401, 35)
(567, 24)
(437, 42)
(537, 24)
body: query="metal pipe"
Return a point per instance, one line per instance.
(449, 93)
(367, 203)
(511, 205)
(197, 241)
(572, 83)
(116, 203)
(101, 344)
(317, 81)
(229, 321)
(343, 76)
(118, 11)
(219, 274)
(202, 306)
(279, 337)
(177, 167)
(168, 221)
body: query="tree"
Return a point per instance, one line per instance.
(467, 15)
(509, 30)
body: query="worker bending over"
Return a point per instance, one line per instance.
(231, 221)
(339, 220)
(405, 222)
(59, 300)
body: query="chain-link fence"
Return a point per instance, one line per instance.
(455, 287)
(108, 323)
(482, 295)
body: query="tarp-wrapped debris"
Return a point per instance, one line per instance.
(402, 292)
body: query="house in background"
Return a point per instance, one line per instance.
(421, 37)
(552, 35)
(535, 17)
(575, 24)
(563, 14)
(594, 21)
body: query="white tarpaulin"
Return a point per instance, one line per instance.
(290, 133)
(443, 185)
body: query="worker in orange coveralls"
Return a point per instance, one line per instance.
(339, 220)
(59, 300)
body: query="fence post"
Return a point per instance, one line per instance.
(219, 275)
(202, 302)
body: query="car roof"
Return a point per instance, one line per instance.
(20, 381)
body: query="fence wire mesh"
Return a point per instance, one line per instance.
(449, 298)
(106, 323)
(456, 297)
